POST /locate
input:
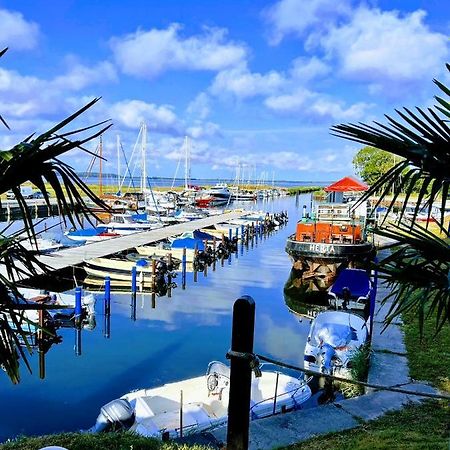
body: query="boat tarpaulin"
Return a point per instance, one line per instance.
(356, 280)
(202, 235)
(188, 243)
(347, 184)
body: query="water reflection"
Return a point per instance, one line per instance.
(306, 297)
(173, 340)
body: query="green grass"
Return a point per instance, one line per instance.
(415, 427)
(105, 441)
(303, 189)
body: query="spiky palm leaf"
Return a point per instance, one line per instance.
(2, 52)
(418, 268)
(36, 160)
(424, 143)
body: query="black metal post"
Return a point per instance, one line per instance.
(240, 374)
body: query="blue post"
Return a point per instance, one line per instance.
(237, 232)
(133, 292)
(107, 296)
(77, 341)
(242, 232)
(373, 296)
(78, 308)
(230, 234)
(183, 269)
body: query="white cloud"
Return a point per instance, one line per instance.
(387, 47)
(299, 16)
(242, 83)
(150, 53)
(131, 113)
(26, 97)
(80, 76)
(203, 130)
(16, 33)
(306, 103)
(305, 70)
(200, 107)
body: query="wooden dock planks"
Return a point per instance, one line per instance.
(76, 255)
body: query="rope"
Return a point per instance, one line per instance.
(359, 383)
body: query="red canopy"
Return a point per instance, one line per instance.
(347, 184)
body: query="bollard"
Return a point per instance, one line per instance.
(240, 373)
(107, 296)
(133, 292)
(183, 269)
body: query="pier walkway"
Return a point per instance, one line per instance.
(76, 255)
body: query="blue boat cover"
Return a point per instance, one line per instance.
(139, 217)
(356, 280)
(87, 231)
(202, 235)
(188, 243)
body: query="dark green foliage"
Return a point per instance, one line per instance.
(418, 269)
(371, 163)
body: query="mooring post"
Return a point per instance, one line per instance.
(372, 298)
(214, 254)
(40, 336)
(183, 269)
(169, 276)
(195, 262)
(153, 283)
(240, 373)
(107, 296)
(230, 236)
(133, 292)
(237, 234)
(78, 309)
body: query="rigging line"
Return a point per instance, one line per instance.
(359, 383)
(128, 169)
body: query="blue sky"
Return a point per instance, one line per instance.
(255, 84)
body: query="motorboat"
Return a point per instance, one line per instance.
(131, 223)
(199, 404)
(351, 290)
(219, 191)
(334, 339)
(42, 245)
(90, 234)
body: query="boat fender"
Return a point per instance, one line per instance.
(115, 415)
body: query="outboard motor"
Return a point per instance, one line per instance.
(115, 415)
(327, 353)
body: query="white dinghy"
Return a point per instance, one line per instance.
(199, 404)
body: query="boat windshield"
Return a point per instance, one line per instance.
(218, 368)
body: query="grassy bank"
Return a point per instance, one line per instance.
(303, 189)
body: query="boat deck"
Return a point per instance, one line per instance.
(76, 255)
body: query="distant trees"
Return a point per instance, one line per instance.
(371, 163)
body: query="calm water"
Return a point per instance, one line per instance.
(175, 340)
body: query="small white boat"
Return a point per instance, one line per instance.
(203, 401)
(128, 224)
(42, 245)
(334, 338)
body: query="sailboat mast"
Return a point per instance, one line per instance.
(118, 164)
(100, 154)
(187, 168)
(144, 158)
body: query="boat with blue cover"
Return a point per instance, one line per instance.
(352, 289)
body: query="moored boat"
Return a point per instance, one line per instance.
(334, 339)
(201, 402)
(332, 236)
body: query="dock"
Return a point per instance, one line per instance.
(75, 256)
